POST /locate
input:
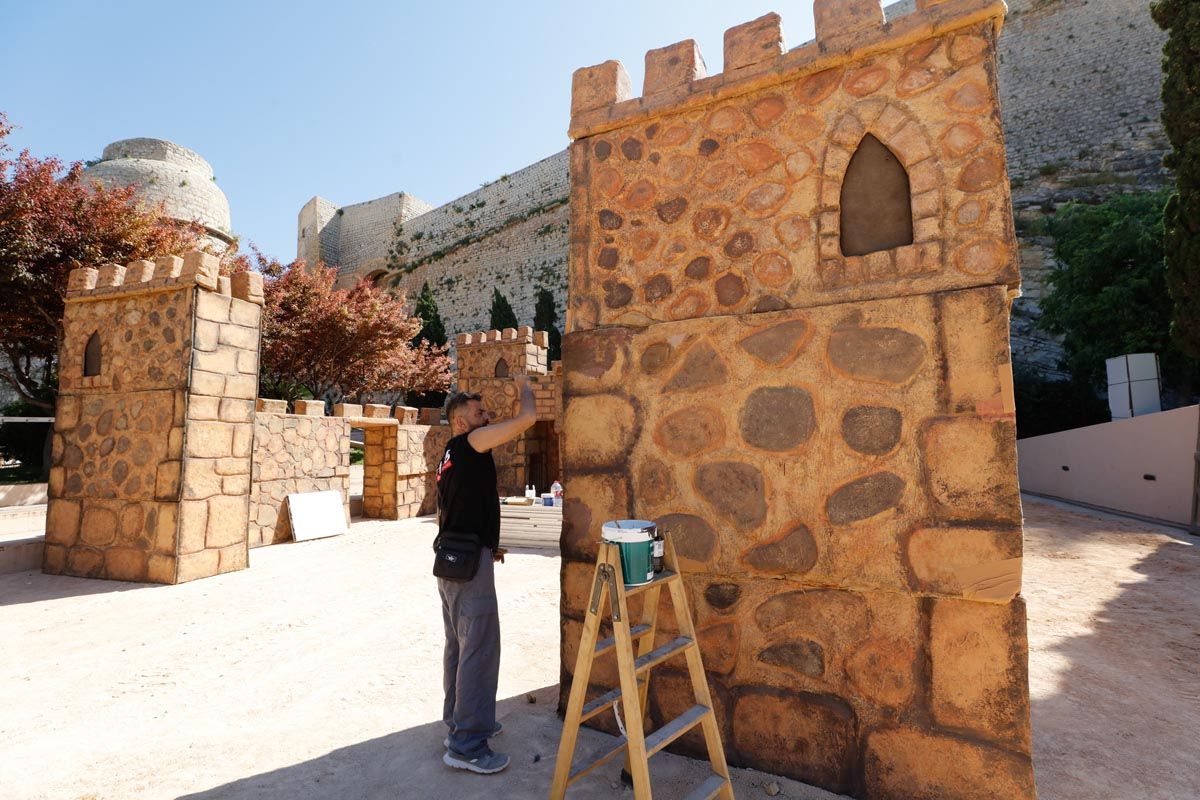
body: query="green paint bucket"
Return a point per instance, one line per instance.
(634, 541)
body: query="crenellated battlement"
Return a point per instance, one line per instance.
(755, 56)
(144, 276)
(524, 334)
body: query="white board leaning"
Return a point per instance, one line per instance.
(315, 515)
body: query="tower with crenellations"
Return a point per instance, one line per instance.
(787, 343)
(151, 457)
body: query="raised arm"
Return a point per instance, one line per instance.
(489, 436)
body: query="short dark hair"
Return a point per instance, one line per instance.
(457, 400)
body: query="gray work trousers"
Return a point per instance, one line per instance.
(471, 661)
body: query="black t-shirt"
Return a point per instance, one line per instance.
(468, 501)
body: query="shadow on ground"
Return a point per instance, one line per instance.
(1120, 691)
(33, 586)
(408, 764)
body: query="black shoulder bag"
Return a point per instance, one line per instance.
(456, 556)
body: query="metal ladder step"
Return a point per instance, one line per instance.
(676, 728)
(709, 789)
(635, 632)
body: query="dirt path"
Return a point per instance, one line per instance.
(316, 674)
(1114, 639)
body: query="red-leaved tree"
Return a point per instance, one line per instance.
(339, 343)
(50, 223)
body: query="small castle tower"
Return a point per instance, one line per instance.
(150, 477)
(487, 360)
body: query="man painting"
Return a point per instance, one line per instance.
(468, 502)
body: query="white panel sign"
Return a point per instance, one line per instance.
(315, 515)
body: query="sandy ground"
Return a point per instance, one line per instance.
(316, 674)
(1114, 642)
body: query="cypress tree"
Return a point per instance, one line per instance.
(433, 330)
(502, 313)
(1181, 120)
(544, 317)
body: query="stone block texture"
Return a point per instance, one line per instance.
(294, 453)
(830, 438)
(150, 475)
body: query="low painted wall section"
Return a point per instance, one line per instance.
(399, 467)
(1107, 465)
(294, 453)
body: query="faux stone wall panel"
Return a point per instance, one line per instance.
(829, 438)
(294, 453)
(145, 342)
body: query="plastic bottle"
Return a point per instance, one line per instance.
(556, 490)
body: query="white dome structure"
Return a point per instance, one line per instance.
(166, 173)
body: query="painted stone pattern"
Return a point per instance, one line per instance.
(830, 438)
(150, 473)
(486, 362)
(294, 453)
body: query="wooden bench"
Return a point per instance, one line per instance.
(535, 526)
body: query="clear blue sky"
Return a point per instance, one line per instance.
(348, 100)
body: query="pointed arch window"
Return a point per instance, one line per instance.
(91, 356)
(876, 202)
(502, 369)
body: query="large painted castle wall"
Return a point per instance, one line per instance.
(827, 429)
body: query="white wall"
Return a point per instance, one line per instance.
(1106, 464)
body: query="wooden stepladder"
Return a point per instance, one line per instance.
(634, 675)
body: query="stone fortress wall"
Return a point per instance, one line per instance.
(510, 235)
(360, 234)
(167, 173)
(1079, 89)
(1079, 92)
(824, 420)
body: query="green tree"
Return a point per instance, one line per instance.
(1181, 120)
(544, 317)
(1110, 296)
(433, 330)
(502, 313)
(52, 221)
